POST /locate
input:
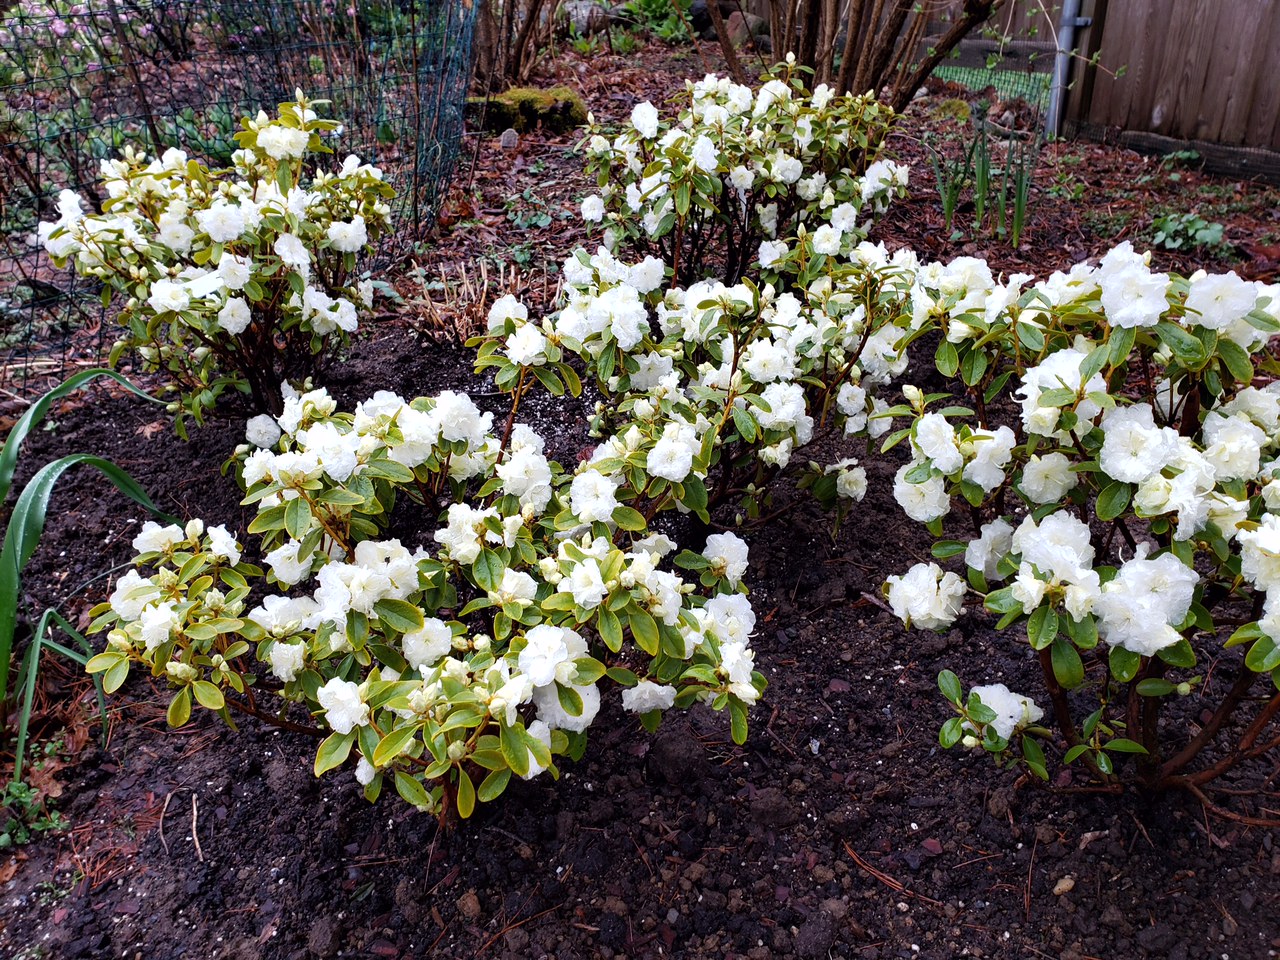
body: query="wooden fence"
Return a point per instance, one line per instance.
(1197, 72)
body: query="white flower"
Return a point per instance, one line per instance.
(133, 592)
(344, 710)
(527, 346)
(1217, 301)
(506, 308)
(647, 695)
(671, 459)
(287, 566)
(586, 584)
(593, 208)
(1013, 711)
(158, 622)
(283, 143)
(365, 772)
(553, 714)
(772, 252)
(644, 117)
(1132, 295)
(728, 555)
(925, 597)
(592, 496)
(348, 237)
(1139, 608)
(1133, 447)
(222, 544)
(935, 438)
(546, 648)
(1048, 478)
(235, 316)
(704, 155)
(293, 252)
(921, 502)
(986, 551)
(222, 221)
(826, 240)
(423, 648)
(153, 538)
(262, 431)
(287, 660)
(168, 296)
(234, 271)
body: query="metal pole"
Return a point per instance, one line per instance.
(1067, 26)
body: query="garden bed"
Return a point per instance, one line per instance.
(839, 829)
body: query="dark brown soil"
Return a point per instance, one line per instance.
(840, 829)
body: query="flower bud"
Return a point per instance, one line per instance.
(457, 750)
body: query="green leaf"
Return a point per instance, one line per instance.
(951, 733)
(466, 794)
(297, 518)
(695, 494)
(487, 570)
(1124, 664)
(399, 615)
(949, 684)
(1121, 745)
(392, 745)
(628, 518)
(1263, 656)
(333, 751)
(514, 750)
(973, 367)
(738, 721)
(1155, 687)
(36, 412)
(208, 696)
(493, 785)
(1067, 666)
(610, 628)
(1113, 500)
(946, 359)
(180, 708)
(1179, 654)
(745, 423)
(412, 791)
(1236, 360)
(645, 631)
(26, 526)
(945, 549)
(1042, 628)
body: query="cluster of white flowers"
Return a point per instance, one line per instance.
(231, 260)
(788, 157)
(506, 623)
(1134, 396)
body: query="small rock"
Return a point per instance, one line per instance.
(814, 939)
(835, 908)
(469, 905)
(1064, 885)
(771, 808)
(322, 940)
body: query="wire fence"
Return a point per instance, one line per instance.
(79, 81)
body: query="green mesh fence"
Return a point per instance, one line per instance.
(1019, 83)
(78, 81)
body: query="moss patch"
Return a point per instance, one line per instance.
(556, 110)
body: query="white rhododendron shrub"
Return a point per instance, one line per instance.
(234, 279)
(1113, 487)
(447, 666)
(741, 178)
(713, 391)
